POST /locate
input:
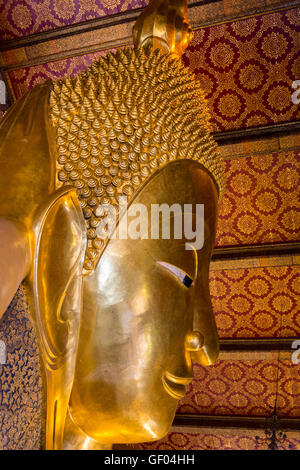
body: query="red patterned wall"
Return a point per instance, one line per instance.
(20, 18)
(243, 388)
(261, 204)
(260, 302)
(247, 68)
(25, 17)
(27, 78)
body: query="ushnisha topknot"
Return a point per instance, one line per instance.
(125, 117)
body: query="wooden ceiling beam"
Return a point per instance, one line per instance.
(257, 344)
(239, 135)
(247, 251)
(196, 422)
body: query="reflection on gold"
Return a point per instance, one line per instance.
(164, 25)
(117, 324)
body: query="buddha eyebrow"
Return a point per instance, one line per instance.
(179, 273)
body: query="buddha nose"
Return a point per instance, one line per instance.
(194, 341)
(204, 352)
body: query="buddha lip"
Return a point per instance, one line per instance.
(175, 390)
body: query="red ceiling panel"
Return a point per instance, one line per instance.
(261, 204)
(246, 69)
(244, 388)
(257, 302)
(19, 18)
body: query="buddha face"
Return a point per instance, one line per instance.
(146, 315)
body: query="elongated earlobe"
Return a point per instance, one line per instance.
(56, 291)
(194, 341)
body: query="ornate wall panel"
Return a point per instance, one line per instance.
(19, 18)
(260, 302)
(261, 204)
(27, 78)
(216, 440)
(243, 388)
(246, 69)
(20, 400)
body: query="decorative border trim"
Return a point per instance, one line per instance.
(242, 422)
(257, 345)
(261, 131)
(252, 251)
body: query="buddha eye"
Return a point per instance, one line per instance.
(187, 281)
(179, 273)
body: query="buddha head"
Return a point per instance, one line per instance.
(147, 314)
(119, 320)
(146, 310)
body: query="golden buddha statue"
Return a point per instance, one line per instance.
(118, 320)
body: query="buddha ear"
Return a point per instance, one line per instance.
(56, 287)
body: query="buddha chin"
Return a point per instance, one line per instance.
(139, 425)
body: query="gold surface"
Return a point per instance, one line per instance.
(128, 115)
(15, 260)
(164, 25)
(55, 290)
(116, 345)
(138, 319)
(25, 183)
